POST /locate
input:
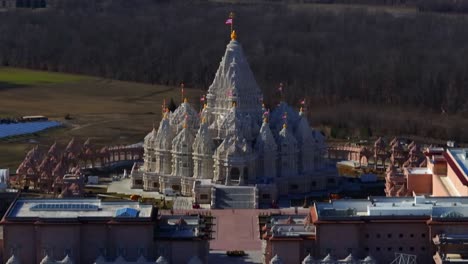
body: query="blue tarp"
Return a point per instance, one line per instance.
(127, 212)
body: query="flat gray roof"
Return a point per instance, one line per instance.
(73, 208)
(435, 207)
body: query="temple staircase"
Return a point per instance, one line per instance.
(235, 197)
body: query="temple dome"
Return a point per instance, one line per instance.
(281, 112)
(183, 142)
(150, 137)
(238, 147)
(286, 141)
(184, 114)
(234, 79)
(237, 120)
(203, 143)
(265, 140)
(164, 136)
(304, 133)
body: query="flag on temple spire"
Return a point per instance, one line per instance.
(229, 21)
(302, 102)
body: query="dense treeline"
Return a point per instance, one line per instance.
(417, 60)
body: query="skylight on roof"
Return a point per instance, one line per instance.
(64, 207)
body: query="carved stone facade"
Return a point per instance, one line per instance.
(227, 143)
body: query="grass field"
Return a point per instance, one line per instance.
(20, 77)
(107, 111)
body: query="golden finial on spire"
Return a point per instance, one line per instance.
(203, 120)
(205, 106)
(265, 120)
(233, 35)
(234, 104)
(185, 100)
(301, 110)
(285, 125)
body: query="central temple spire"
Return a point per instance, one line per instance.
(234, 84)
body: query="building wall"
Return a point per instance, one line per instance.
(383, 240)
(420, 183)
(378, 239)
(57, 241)
(462, 189)
(438, 188)
(289, 251)
(94, 241)
(82, 242)
(20, 239)
(328, 242)
(132, 239)
(181, 251)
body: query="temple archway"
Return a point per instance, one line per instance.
(235, 174)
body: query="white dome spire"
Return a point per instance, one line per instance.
(234, 73)
(303, 131)
(234, 82)
(184, 113)
(280, 113)
(286, 140)
(265, 140)
(203, 143)
(183, 142)
(164, 136)
(150, 137)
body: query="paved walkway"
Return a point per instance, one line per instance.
(236, 230)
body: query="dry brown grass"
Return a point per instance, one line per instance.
(107, 111)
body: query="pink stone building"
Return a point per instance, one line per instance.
(444, 173)
(94, 231)
(377, 228)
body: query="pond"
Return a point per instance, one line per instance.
(8, 130)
